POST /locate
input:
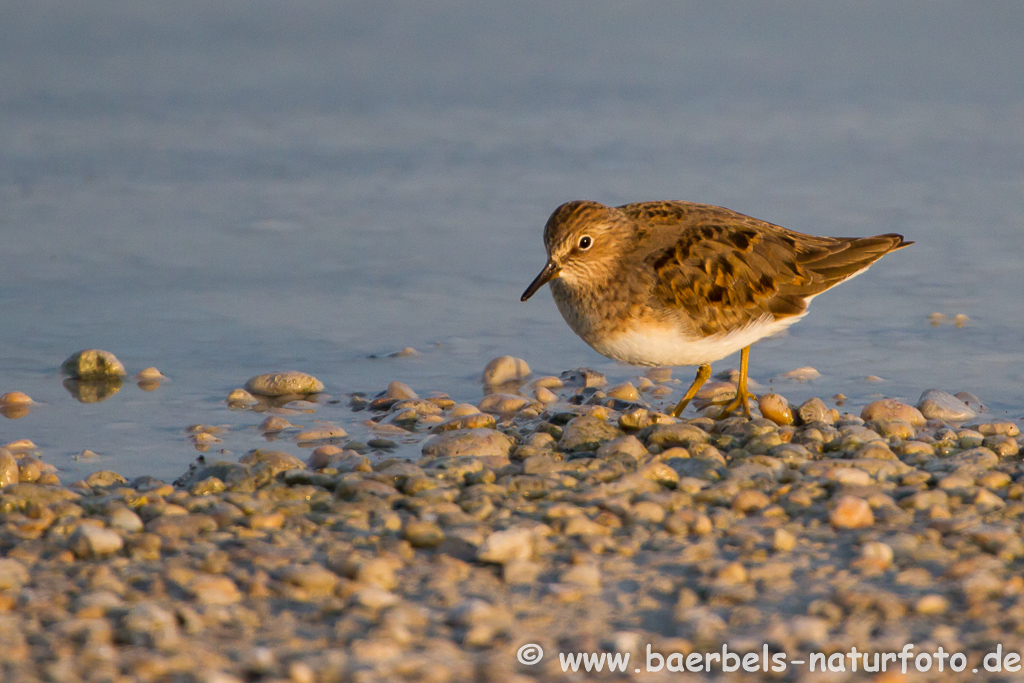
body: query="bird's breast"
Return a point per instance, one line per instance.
(666, 345)
(625, 330)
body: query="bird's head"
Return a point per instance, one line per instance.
(584, 240)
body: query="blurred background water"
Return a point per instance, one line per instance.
(226, 188)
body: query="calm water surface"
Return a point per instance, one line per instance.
(222, 189)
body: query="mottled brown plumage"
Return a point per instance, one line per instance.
(678, 283)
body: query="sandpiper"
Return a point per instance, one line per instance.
(678, 283)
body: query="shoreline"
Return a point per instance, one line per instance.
(565, 515)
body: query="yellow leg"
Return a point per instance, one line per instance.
(742, 395)
(703, 372)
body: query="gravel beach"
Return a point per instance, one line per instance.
(558, 514)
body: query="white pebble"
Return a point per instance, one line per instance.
(399, 391)
(150, 373)
(804, 374)
(941, 405)
(505, 369)
(545, 395)
(504, 546)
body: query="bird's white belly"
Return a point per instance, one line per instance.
(667, 345)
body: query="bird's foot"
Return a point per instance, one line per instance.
(740, 402)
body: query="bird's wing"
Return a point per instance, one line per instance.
(723, 270)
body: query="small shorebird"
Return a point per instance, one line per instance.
(677, 283)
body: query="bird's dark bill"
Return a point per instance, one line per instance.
(549, 273)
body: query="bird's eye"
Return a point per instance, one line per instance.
(586, 242)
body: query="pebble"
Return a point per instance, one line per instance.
(475, 420)
(241, 397)
(970, 463)
(376, 598)
(480, 620)
(462, 410)
(312, 579)
(272, 462)
(733, 573)
(320, 433)
(775, 408)
(423, 534)
(375, 571)
(677, 434)
(849, 476)
(972, 401)
(399, 391)
(1001, 427)
(124, 519)
(149, 374)
(986, 499)
(783, 541)
(93, 364)
(584, 377)
(502, 403)
(502, 547)
(940, 405)
(587, 433)
(750, 500)
(92, 541)
(635, 419)
(815, 410)
(29, 471)
(467, 442)
(417, 408)
(1003, 446)
(505, 369)
(545, 395)
(13, 574)
(931, 605)
(583, 575)
(105, 478)
(15, 398)
(877, 554)
(624, 392)
(804, 374)
(8, 468)
(283, 384)
(545, 382)
(518, 572)
(214, 590)
(851, 512)
(274, 423)
(151, 626)
(629, 445)
(900, 429)
(716, 391)
(891, 409)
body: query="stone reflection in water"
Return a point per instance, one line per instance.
(92, 391)
(14, 412)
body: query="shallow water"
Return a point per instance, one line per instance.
(223, 189)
